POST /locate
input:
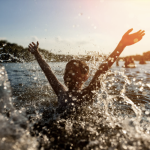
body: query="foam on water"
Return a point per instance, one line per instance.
(14, 133)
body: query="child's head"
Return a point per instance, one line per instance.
(76, 73)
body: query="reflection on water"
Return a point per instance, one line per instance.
(119, 118)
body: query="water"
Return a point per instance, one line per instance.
(119, 118)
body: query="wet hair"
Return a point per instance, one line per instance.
(71, 70)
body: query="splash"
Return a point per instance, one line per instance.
(7, 57)
(114, 121)
(13, 130)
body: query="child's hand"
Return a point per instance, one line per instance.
(129, 39)
(33, 48)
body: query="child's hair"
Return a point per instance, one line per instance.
(71, 70)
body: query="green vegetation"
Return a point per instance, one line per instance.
(22, 53)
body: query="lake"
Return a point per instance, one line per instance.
(118, 119)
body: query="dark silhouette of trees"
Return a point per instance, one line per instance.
(22, 53)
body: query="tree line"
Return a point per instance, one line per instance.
(22, 53)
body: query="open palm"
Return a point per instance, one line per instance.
(129, 39)
(33, 48)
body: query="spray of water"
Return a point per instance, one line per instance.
(114, 121)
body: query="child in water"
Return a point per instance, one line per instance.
(76, 73)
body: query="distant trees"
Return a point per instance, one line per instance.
(22, 53)
(136, 57)
(146, 56)
(11, 48)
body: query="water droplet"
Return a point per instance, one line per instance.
(124, 131)
(35, 78)
(141, 89)
(135, 40)
(146, 112)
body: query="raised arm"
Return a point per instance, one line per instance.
(56, 85)
(127, 39)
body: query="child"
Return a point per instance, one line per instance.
(76, 73)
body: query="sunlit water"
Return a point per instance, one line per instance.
(118, 119)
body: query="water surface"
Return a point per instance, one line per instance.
(118, 119)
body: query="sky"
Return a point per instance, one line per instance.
(75, 26)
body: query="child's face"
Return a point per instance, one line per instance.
(77, 77)
(80, 77)
(85, 76)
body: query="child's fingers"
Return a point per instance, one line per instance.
(129, 31)
(136, 33)
(30, 43)
(30, 48)
(142, 31)
(142, 34)
(33, 43)
(37, 43)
